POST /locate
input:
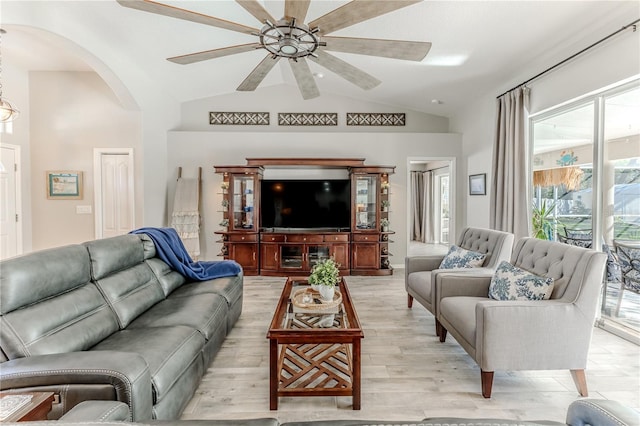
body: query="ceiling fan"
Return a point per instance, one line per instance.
(291, 39)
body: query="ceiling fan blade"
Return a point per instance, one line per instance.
(356, 11)
(345, 70)
(396, 49)
(296, 9)
(304, 78)
(176, 12)
(258, 74)
(256, 9)
(212, 54)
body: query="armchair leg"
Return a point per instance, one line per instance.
(443, 334)
(409, 301)
(438, 328)
(580, 379)
(486, 378)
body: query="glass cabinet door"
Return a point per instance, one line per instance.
(366, 202)
(243, 207)
(317, 254)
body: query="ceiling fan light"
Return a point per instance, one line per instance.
(288, 46)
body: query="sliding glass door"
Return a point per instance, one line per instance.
(586, 188)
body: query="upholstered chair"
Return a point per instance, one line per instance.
(549, 334)
(420, 270)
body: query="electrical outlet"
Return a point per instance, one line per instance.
(83, 209)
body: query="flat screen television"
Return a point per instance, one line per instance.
(306, 204)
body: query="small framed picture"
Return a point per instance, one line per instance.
(64, 185)
(477, 184)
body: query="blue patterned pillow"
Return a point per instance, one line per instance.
(461, 258)
(512, 283)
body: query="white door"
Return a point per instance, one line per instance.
(9, 241)
(114, 192)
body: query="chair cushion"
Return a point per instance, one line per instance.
(460, 312)
(457, 257)
(512, 283)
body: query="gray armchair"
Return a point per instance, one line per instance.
(420, 271)
(527, 335)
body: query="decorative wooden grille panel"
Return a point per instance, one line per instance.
(376, 119)
(307, 118)
(315, 366)
(239, 118)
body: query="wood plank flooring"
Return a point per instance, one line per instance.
(407, 374)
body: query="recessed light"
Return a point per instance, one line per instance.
(436, 101)
(318, 74)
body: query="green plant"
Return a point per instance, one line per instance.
(225, 203)
(542, 220)
(386, 203)
(224, 222)
(325, 272)
(224, 185)
(384, 222)
(385, 185)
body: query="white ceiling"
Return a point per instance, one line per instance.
(478, 46)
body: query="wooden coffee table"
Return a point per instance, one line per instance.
(308, 360)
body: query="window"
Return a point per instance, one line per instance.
(586, 185)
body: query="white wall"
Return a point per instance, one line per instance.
(613, 61)
(192, 149)
(70, 114)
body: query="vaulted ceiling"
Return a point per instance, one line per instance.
(477, 46)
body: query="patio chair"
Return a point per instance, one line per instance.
(629, 259)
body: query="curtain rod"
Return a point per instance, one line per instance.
(632, 24)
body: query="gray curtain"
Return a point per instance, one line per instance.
(510, 201)
(421, 206)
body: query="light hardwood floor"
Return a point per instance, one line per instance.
(407, 374)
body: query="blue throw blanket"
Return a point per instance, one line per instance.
(169, 248)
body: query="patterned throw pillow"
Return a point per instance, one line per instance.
(512, 283)
(461, 258)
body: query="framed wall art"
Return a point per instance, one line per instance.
(478, 184)
(64, 185)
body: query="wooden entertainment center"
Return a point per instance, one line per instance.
(361, 249)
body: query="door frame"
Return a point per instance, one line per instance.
(452, 195)
(19, 223)
(97, 185)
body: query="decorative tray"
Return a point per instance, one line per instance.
(309, 300)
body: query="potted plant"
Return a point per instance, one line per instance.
(224, 223)
(385, 205)
(225, 204)
(224, 186)
(385, 187)
(542, 220)
(384, 223)
(325, 275)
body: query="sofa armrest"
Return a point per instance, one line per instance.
(422, 263)
(471, 282)
(102, 411)
(585, 412)
(557, 335)
(127, 372)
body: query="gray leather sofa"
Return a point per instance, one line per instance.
(108, 320)
(583, 412)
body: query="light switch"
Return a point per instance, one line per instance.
(83, 209)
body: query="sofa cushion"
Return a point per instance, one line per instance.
(457, 257)
(420, 283)
(49, 305)
(169, 351)
(228, 287)
(206, 313)
(126, 281)
(168, 278)
(512, 283)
